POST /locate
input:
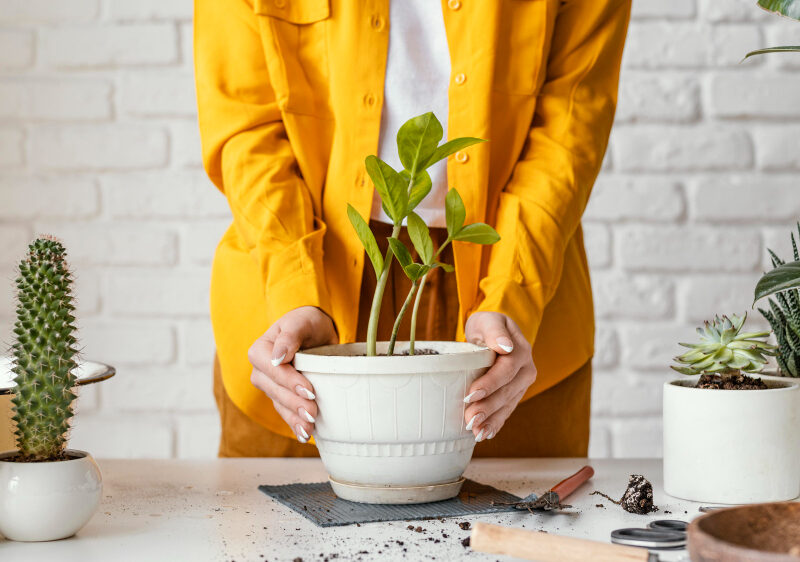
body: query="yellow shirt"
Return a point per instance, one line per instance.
(289, 95)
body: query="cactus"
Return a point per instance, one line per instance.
(44, 352)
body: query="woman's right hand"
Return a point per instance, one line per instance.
(271, 356)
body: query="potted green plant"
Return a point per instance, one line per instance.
(47, 491)
(786, 8)
(730, 437)
(784, 310)
(391, 425)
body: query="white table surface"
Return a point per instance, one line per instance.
(212, 510)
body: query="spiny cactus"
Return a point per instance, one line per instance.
(784, 318)
(724, 349)
(44, 352)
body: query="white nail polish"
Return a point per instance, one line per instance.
(301, 431)
(469, 397)
(304, 392)
(491, 434)
(479, 437)
(301, 440)
(506, 348)
(306, 415)
(472, 421)
(278, 360)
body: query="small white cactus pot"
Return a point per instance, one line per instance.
(47, 501)
(391, 429)
(732, 446)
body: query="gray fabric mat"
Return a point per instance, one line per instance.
(317, 502)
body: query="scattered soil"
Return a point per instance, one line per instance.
(600, 505)
(465, 542)
(415, 529)
(465, 526)
(423, 351)
(738, 381)
(638, 498)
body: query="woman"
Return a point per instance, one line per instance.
(293, 94)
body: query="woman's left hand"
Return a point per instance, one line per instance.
(494, 396)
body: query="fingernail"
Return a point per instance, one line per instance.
(505, 344)
(304, 392)
(475, 396)
(302, 440)
(305, 414)
(301, 432)
(491, 434)
(477, 417)
(278, 360)
(479, 437)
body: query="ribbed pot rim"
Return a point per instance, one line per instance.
(350, 358)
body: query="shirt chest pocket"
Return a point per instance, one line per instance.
(523, 43)
(294, 36)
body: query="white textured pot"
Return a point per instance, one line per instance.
(46, 501)
(732, 446)
(391, 429)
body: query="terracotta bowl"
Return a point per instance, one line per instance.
(768, 532)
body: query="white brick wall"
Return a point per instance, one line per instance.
(98, 144)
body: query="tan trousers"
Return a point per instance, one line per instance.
(554, 423)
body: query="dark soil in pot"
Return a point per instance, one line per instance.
(730, 382)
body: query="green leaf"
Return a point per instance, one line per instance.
(451, 147)
(782, 278)
(477, 233)
(390, 187)
(401, 252)
(420, 237)
(788, 8)
(417, 140)
(446, 266)
(420, 189)
(785, 49)
(367, 239)
(455, 213)
(415, 271)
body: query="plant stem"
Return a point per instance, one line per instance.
(396, 327)
(377, 298)
(413, 335)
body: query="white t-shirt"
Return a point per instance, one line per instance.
(417, 78)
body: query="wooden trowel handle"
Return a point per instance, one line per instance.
(570, 484)
(535, 545)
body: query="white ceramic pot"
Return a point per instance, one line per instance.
(46, 501)
(732, 446)
(391, 429)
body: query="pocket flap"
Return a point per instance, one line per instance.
(294, 11)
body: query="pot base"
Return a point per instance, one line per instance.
(396, 495)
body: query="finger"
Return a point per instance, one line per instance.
(302, 428)
(496, 421)
(285, 375)
(296, 402)
(491, 404)
(491, 330)
(501, 373)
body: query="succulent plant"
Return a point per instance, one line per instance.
(724, 349)
(784, 318)
(44, 352)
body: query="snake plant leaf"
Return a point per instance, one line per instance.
(782, 278)
(766, 50)
(420, 188)
(478, 233)
(415, 271)
(400, 252)
(367, 239)
(455, 213)
(390, 187)
(420, 237)
(788, 8)
(417, 140)
(451, 147)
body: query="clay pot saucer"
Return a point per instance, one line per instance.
(768, 532)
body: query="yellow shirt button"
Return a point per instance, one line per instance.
(376, 22)
(369, 100)
(462, 156)
(280, 3)
(460, 78)
(453, 4)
